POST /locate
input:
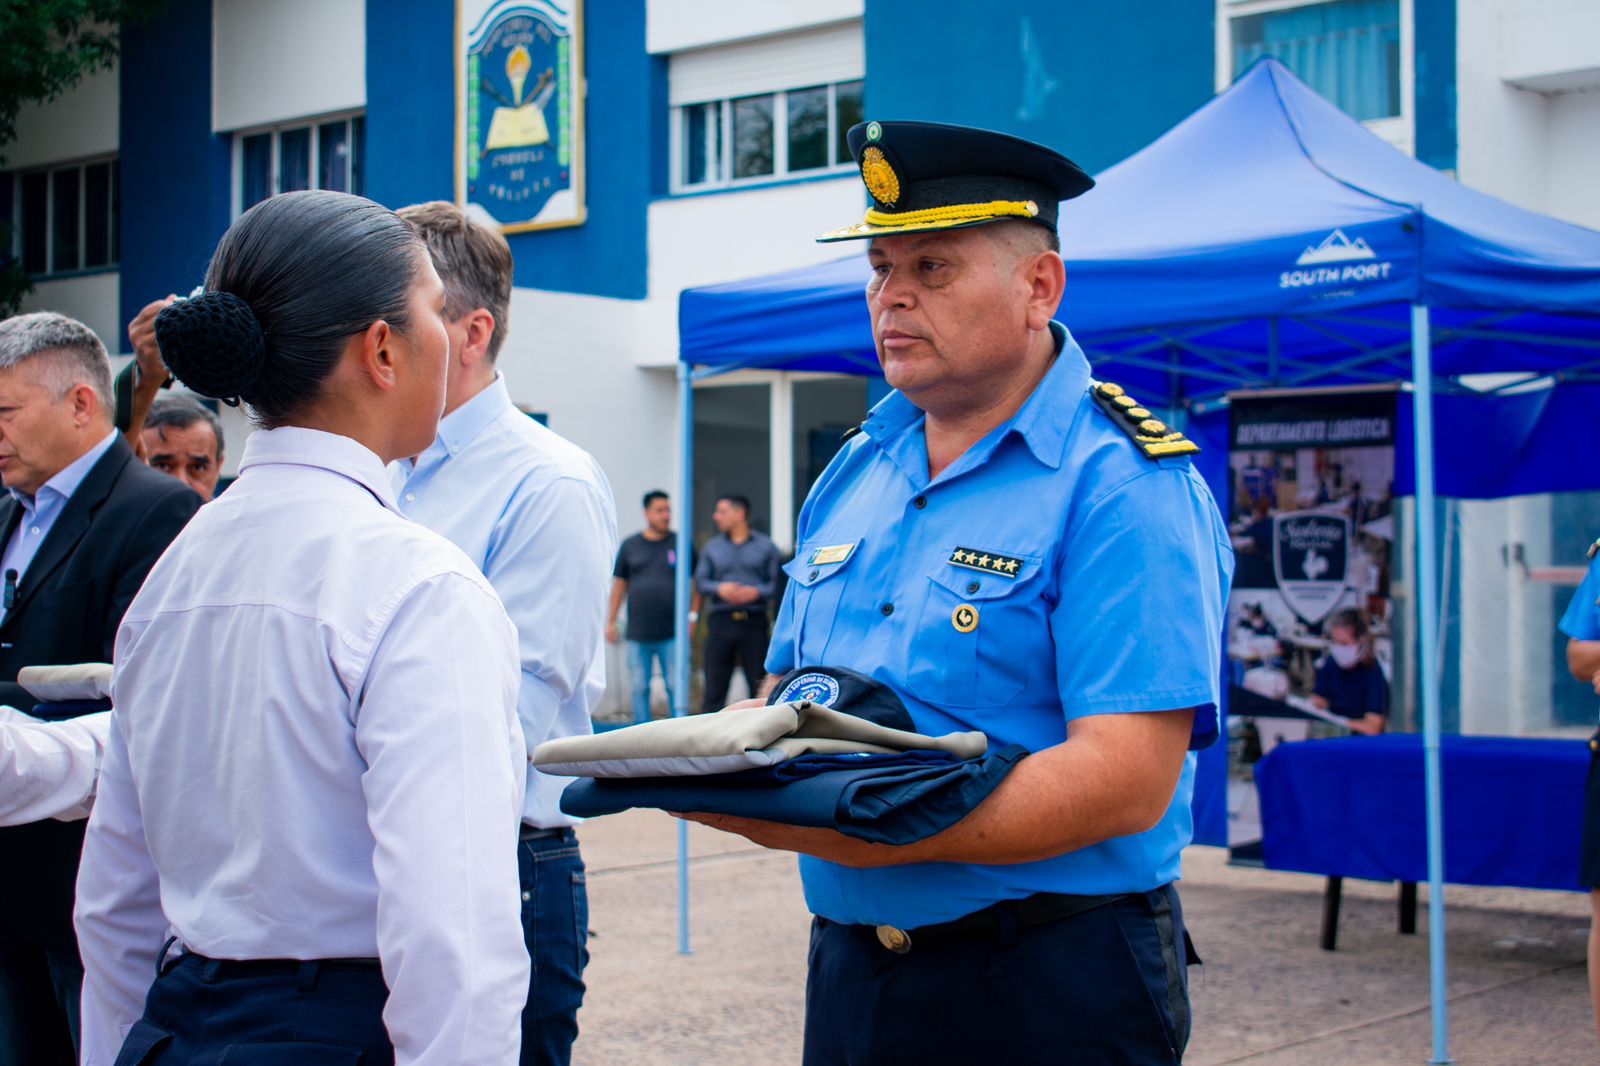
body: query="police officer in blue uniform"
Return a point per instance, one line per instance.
(1014, 547)
(1581, 623)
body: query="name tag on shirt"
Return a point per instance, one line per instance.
(836, 553)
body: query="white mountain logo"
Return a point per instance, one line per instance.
(1336, 248)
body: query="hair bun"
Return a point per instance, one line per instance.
(214, 344)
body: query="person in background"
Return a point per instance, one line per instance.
(1581, 624)
(1350, 683)
(737, 573)
(534, 512)
(301, 845)
(646, 576)
(184, 439)
(81, 523)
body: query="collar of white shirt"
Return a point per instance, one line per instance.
(68, 478)
(461, 427)
(295, 446)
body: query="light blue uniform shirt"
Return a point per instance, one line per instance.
(535, 513)
(39, 513)
(1582, 618)
(1115, 606)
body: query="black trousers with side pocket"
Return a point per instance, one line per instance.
(268, 1013)
(1107, 987)
(734, 638)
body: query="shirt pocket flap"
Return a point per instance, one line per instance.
(807, 574)
(986, 576)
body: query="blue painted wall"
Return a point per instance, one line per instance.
(1435, 22)
(176, 177)
(1096, 81)
(411, 130)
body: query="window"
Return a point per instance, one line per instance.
(754, 138)
(67, 218)
(1348, 50)
(316, 155)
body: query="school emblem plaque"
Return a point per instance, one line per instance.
(519, 113)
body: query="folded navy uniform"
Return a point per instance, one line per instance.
(895, 793)
(67, 691)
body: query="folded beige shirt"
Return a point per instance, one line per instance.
(726, 741)
(80, 681)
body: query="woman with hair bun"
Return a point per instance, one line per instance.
(306, 822)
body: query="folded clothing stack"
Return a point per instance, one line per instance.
(67, 691)
(797, 761)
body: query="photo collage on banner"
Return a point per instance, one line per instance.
(1311, 517)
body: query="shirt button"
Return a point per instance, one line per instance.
(972, 586)
(920, 502)
(35, 531)
(526, 896)
(813, 576)
(887, 609)
(411, 497)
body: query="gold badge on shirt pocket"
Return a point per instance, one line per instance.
(964, 618)
(836, 553)
(987, 562)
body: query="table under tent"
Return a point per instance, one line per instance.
(1269, 241)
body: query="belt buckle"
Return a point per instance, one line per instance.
(895, 939)
(740, 616)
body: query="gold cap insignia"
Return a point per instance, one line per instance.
(882, 182)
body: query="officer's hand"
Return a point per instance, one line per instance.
(823, 843)
(142, 335)
(611, 633)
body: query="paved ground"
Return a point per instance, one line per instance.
(1267, 996)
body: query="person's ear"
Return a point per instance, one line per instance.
(379, 355)
(85, 404)
(480, 331)
(1046, 277)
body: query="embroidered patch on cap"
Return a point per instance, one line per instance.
(988, 562)
(818, 688)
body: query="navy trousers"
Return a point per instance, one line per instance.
(278, 1013)
(555, 924)
(1107, 987)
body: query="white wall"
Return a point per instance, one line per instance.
(287, 59)
(1574, 173)
(673, 25)
(80, 123)
(89, 298)
(725, 236)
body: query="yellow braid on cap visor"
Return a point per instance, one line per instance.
(954, 213)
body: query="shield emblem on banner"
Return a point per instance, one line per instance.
(1310, 559)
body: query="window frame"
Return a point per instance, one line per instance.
(1400, 130)
(313, 125)
(17, 250)
(677, 157)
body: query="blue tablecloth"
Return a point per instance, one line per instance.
(1354, 807)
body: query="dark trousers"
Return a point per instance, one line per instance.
(39, 992)
(555, 923)
(734, 637)
(1103, 988)
(277, 1013)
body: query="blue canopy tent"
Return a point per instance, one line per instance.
(1270, 241)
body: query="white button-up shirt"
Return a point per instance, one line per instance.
(314, 754)
(535, 512)
(48, 769)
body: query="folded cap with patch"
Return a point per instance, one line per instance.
(926, 176)
(844, 690)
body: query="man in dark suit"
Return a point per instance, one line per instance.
(81, 523)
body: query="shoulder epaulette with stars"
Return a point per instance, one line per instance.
(1154, 437)
(1594, 549)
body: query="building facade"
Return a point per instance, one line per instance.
(712, 150)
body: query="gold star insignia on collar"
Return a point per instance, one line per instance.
(988, 562)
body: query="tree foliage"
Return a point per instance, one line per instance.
(47, 47)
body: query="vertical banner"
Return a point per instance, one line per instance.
(1311, 517)
(519, 112)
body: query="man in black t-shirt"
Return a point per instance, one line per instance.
(645, 573)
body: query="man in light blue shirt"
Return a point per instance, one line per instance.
(1581, 624)
(535, 513)
(1014, 548)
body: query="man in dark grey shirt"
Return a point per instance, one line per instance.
(737, 574)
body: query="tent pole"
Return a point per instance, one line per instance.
(1428, 675)
(682, 635)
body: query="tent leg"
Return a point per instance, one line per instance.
(1428, 673)
(682, 635)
